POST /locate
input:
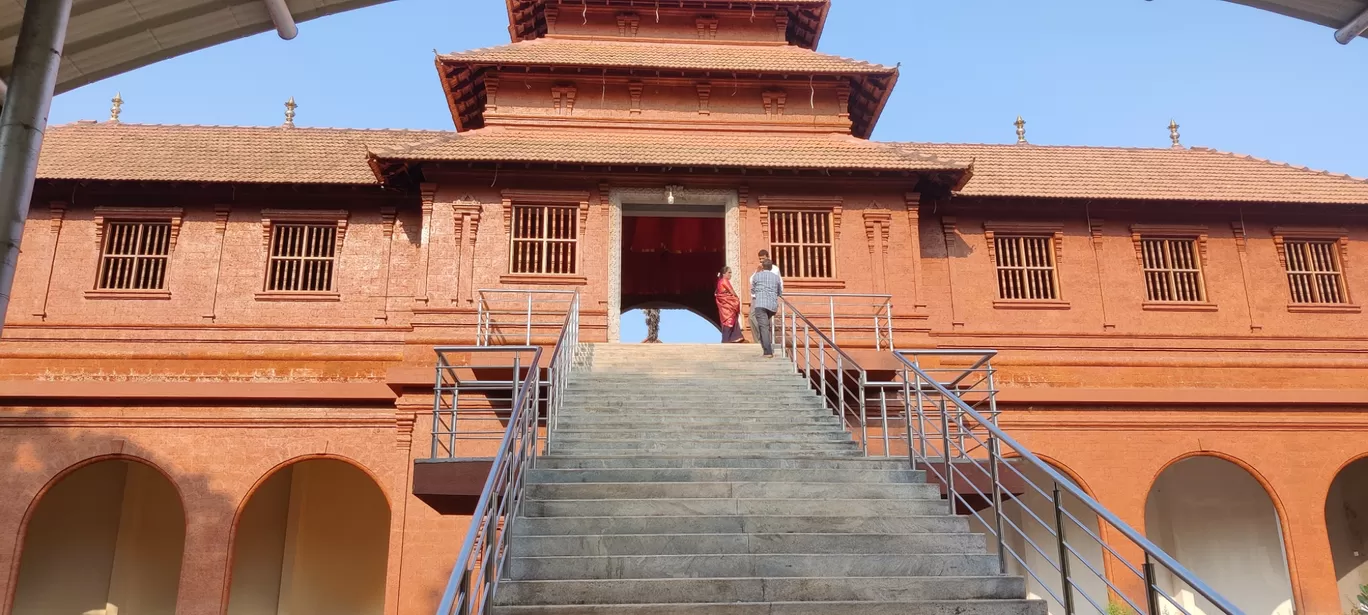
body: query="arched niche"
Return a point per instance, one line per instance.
(1216, 519)
(107, 537)
(678, 324)
(1346, 523)
(313, 537)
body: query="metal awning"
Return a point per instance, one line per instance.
(108, 37)
(1349, 17)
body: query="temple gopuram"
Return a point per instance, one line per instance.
(216, 376)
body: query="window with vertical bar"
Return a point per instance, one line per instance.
(545, 240)
(1025, 267)
(1314, 272)
(800, 242)
(134, 256)
(1173, 272)
(303, 258)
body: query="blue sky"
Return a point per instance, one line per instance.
(1081, 72)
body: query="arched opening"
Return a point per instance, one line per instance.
(677, 326)
(1032, 549)
(1216, 519)
(312, 538)
(1346, 521)
(106, 538)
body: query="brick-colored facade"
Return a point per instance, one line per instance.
(217, 382)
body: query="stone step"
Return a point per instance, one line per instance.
(555, 461)
(619, 454)
(731, 506)
(686, 591)
(662, 475)
(732, 544)
(739, 490)
(592, 420)
(750, 565)
(698, 447)
(775, 434)
(921, 607)
(666, 524)
(700, 397)
(757, 409)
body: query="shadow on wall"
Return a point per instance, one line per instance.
(95, 522)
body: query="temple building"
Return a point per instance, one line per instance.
(216, 377)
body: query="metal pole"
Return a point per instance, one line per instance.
(1066, 587)
(993, 456)
(528, 338)
(883, 416)
(945, 452)
(37, 56)
(831, 313)
(1151, 589)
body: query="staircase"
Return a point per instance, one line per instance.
(705, 480)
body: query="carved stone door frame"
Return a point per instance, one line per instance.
(728, 199)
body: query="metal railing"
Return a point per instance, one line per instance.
(973, 384)
(475, 577)
(832, 373)
(520, 316)
(982, 468)
(850, 317)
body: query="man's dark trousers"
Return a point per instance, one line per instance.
(762, 328)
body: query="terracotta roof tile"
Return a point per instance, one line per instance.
(1175, 174)
(243, 154)
(719, 57)
(669, 148)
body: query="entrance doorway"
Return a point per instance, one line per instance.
(670, 257)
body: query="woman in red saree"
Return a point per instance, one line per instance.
(728, 308)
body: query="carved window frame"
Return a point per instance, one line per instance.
(1198, 235)
(833, 206)
(578, 200)
(1051, 232)
(1338, 240)
(104, 217)
(271, 218)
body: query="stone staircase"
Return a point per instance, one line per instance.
(705, 480)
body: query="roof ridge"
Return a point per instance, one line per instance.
(248, 127)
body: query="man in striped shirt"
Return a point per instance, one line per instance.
(765, 287)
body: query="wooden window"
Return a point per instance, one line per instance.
(1025, 267)
(134, 256)
(1172, 270)
(801, 243)
(1314, 272)
(545, 240)
(303, 257)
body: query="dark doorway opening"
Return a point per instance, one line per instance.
(672, 261)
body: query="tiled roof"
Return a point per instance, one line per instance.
(718, 57)
(527, 18)
(242, 154)
(676, 148)
(1175, 174)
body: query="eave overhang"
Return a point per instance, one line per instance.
(807, 18)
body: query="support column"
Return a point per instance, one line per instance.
(37, 57)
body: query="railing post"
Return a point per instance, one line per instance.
(436, 405)
(831, 313)
(921, 421)
(1151, 591)
(1066, 586)
(883, 416)
(821, 355)
(527, 339)
(807, 352)
(945, 454)
(877, 341)
(994, 455)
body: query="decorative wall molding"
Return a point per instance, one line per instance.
(1054, 230)
(491, 84)
(628, 23)
(428, 193)
(876, 225)
(174, 215)
(221, 215)
(843, 101)
(387, 216)
(56, 215)
(781, 23)
(773, 100)
(704, 93)
(1095, 228)
(563, 98)
(317, 216)
(833, 204)
(403, 428)
(1196, 232)
(1339, 236)
(1237, 228)
(634, 88)
(707, 26)
(950, 227)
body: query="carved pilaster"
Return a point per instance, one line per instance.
(428, 194)
(403, 428)
(56, 214)
(707, 26)
(221, 213)
(628, 23)
(912, 200)
(1238, 229)
(781, 23)
(843, 101)
(634, 88)
(704, 93)
(563, 98)
(774, 100)
(491, 93)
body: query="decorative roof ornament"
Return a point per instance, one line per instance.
(1173, 134)
(1021, 130)
(290, 107)
(115, 107)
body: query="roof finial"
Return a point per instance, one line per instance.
(1021, 130)
(115, 106)
(1173, 134)
(290, 107)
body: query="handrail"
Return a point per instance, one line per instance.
(789, 343)
(928, 391)
(880, 308)
(475, 577)
(520, 307)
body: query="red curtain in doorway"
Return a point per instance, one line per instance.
(671, 256)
